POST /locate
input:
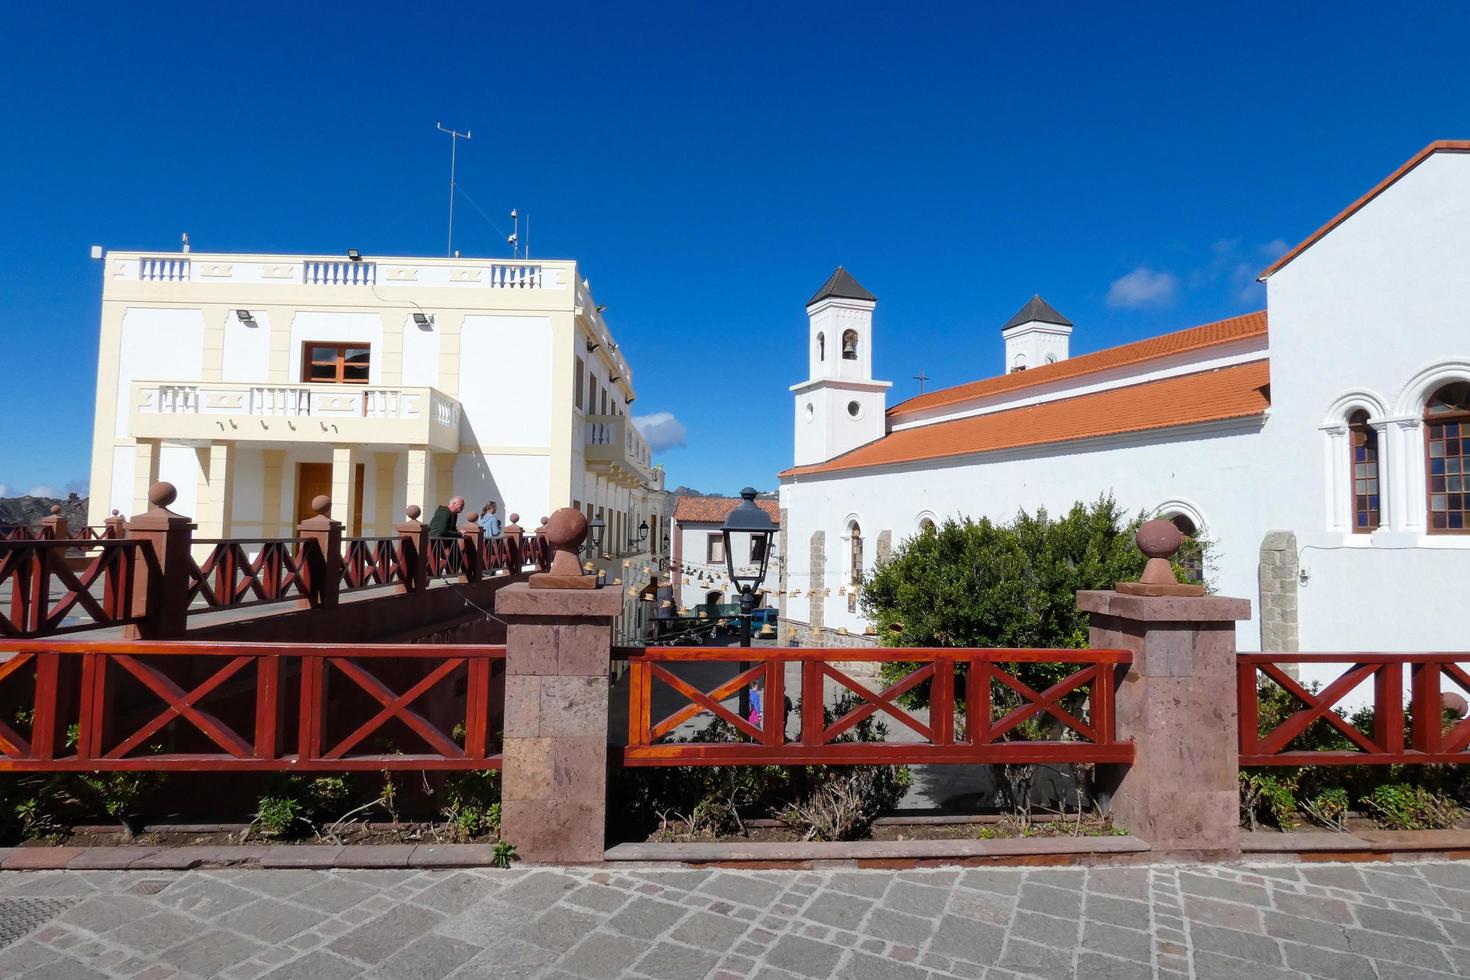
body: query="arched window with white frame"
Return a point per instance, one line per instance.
(1447, 455)
(855, 565)
(1364, 477)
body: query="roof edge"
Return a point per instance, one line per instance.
(1438, 146)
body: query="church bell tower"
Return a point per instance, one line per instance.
(839, 407)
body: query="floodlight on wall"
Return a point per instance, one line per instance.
(423, 320)
(615, 380)
(245, 317)
(354, 255)
(601, 307)
(592, 347)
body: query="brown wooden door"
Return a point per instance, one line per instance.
(315, 479)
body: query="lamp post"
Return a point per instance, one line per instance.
(747, 518)
(593, 544)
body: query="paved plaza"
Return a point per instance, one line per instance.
(1363, 922)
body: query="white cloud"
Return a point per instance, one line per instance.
(3, 489)
(661, 429)
(41, 490)
(1143, 287)
(1274, 249)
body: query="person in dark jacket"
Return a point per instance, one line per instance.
(442, 525)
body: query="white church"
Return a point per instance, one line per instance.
(1321, 446)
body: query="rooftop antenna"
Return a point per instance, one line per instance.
(921, 377)
(454, 137)
(514, 238)
(528, 236)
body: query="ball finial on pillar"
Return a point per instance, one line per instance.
(55, 509)
(1159, 539)
(322, 505)
(162, 493)
(565, 531)
(412, 512)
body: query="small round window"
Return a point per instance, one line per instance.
(810, 412)
(853, 408)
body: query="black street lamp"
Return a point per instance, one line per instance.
(748, 518)
(595, 528)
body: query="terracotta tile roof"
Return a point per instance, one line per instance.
(1453, 146)
(1239, 391)
(714, 510)
(1179, 342)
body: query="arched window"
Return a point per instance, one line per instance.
(855, 573)
(821, 347)
(1363, 445)
(1191, 552)
(849, 345)
(1447, 447)
(926, 526)
(1019, 364)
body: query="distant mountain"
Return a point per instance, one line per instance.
(30, 510)
(683, 491)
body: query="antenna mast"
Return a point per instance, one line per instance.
(454, 137)
(514, 238)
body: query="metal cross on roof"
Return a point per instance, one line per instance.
(921, 377)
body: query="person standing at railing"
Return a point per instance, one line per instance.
(489, 520)
(443, 523)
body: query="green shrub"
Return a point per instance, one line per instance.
(1270, 796)
(503, 854)
(1399, 806)
(472, 804)
(1328, 808)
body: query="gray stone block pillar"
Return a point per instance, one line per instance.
(1279, 574)
(554, 771)
(817, 581)
(1177, 703)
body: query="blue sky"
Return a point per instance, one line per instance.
(710, 165)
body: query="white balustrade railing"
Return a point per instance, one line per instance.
(504, 276)
(340, 273)
(336, 401)
(163, 269)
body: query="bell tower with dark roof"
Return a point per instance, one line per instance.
(1037, 335)
(839, 407)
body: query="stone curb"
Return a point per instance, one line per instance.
(896, 854)
(1361, 845)
(311, 856)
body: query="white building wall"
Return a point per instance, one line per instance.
(504, 367)
(421, 354)
(156, 344)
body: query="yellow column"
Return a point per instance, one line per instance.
(280, 318)
(450, 325)
(344, 486)
(383, 493)
(273, 463)
(145, 474)
(419, 482)
(444, 477)
(390, 359)
(212, 366)
(216, 464)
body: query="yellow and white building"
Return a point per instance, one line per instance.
(255, 382)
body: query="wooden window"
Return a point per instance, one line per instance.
(1447, 452)
(856, 574)
(1363, 446)
(601, 401)
(335, 363)
(714, 549)
(577, 385)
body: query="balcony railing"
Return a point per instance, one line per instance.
(326, 270)
(276, 412)
(613, 446)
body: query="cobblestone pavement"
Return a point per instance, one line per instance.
(1376, 922)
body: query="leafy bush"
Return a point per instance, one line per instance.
(472, 804)
(1399, 806)
(503, 854)
(1269, 796)
(1328, 808)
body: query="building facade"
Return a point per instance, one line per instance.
(254, 383)
(1321, 447)
(701, 574)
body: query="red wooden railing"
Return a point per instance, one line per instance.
(446, 557)
(45, 590)
(947, 734)
(368, 562)
(228, 577)
(246, 706)
(1430, 739)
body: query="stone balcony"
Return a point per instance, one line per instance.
(614, 448)
(341, 414)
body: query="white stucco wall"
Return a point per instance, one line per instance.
(421, 354)
(156, 344)
(507, 401)
(247, 351)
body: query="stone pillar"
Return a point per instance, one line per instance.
(558, 650)
(54, 526)
(885, 546)
(217, 464)
(160, 594)
(344, 485)
(323, 545)
(817, 582)
(272, 486)
(1279, 574)
(473, 536)
(419, 481)
(413, 537)
(383, 492)
(1177, 704)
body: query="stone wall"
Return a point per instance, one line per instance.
(1278, 574)
(802, 634)
(885, 546)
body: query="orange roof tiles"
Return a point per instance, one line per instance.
(714, 510)
(1453, 146)
(1179, 342)
(1240, 391)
